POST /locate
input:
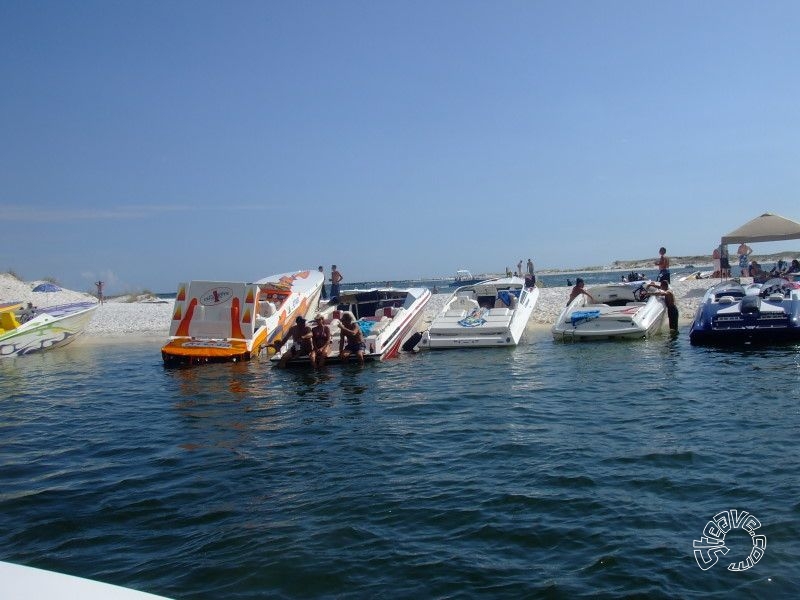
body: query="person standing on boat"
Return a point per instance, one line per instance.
(519, 268)
(669, 301)
(744, 253)
(350, 333)
(336, 278)
(323, 292)
(530, 268)
(663, 265)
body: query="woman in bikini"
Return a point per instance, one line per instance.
(321, 340)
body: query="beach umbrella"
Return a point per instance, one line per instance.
(766, 228)
(47, 287)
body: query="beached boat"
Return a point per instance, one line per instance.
(619, 310)
(387, 318)
(25, 331)
(219, 321)
(760, 313)
(464, 277)
(486, 314)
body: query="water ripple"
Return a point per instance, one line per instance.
(551, 470)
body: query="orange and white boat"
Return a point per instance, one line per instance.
(220, 321)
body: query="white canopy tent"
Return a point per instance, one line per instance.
(766, 228)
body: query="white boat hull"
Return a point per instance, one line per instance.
(615, 314)
(28, 583)
(392, 313)
(218, 321)
(464, 323)
(52, 327)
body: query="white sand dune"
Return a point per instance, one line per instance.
(142, 318)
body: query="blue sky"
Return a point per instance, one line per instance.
(147, 143)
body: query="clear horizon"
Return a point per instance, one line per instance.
(148, 143)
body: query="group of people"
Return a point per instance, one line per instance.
(747, 267)
(315, 342)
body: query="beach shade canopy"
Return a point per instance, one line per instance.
(47, 287)
(766, 228)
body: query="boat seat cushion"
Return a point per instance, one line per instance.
(463, 303)
(726, 300)
(8, 321)
(210, 329)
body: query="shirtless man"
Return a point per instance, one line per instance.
(321, 340)
(300, 334)
(351, 332)
(578, 290)
(669, 300)
(663, 265)
(336, 279)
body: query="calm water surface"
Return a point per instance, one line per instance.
(552, 470)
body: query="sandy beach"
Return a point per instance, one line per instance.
(122, 317)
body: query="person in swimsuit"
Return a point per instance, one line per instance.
(324, 292)
(321, 340)
(300, 334)
(663, 265)
(336, 278)
(578, 290)
(351, 334)
(744, 253)
(669, 301)
(724, 261)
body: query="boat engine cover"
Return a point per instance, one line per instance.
(751, 304)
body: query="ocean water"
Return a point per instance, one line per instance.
(550, 470)
(547, 280)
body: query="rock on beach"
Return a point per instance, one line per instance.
(142, 316)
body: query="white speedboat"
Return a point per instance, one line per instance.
(387, 318)
(619, 310)
(24, 331)
(463, 277)
(28, 583)
(219, 321)
(486, 314)
(760, 313)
